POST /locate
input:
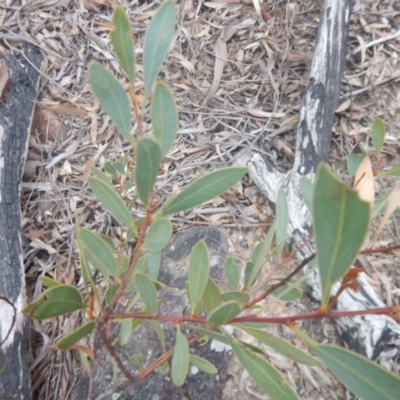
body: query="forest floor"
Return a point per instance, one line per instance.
(223, 109)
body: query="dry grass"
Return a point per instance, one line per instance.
(252, 94)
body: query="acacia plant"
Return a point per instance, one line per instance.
(341, 218)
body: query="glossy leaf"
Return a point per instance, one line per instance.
(282, 346)
(202, 364)
(211, 296)
(67, 341)
(112, 97)
(282, 218)
(122, 40)
(232, 273)
(354, 160)
(341, 222)
(204, 189)
(394, 171)
(180, 359)
(99, 252)
(148, 159)
(158, 235)
(224, 313)
(259, 256)
(164, 116)
(111, 201)
(157, 43)
(147, 292)
(378, 136)
(238, 296)
(307, 190)
(57, 301)
(364, 378)
(266, 376)
(199, 268)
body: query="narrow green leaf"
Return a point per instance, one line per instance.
(307, 190)
(211, 334)
(285, 292)
(394, 171)
(211, 296)
(99, 253)
(69, 340)
(202, 364)
(119, 167)
(248, 273)
(110, 292)
(282, 218)
(232, 273)
(125, 332)
(154, 264)
(282, 346)
(102, 177)
(50, 283)
(180, 359)
(111, 201)
(224, 313)
(354, 160)
(137, 360)
(199, 268)
(148, 159)
(122, 264)
(147, 292)
(238, 296)
(108, 167)
(122, 40)
(266, 376)
(204, 189)
(341, 222)
(259, 256)
(159, 332)
(112, 97)
(58, 300)
(366, 379)
(164, 116)
(378, 136)
(157, 43)
(158, 235)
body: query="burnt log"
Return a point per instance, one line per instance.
(375, 336)
(15, 122)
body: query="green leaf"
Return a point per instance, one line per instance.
(259, 256)
(378, 136)
(199, 268)
(366, 379)
(286, 293)
(122, 40)
(158, 235)
(232, 273)
(210, 334)
(99, 252)
(111, 201)
(282, 346)
(50, 283)
(307, 190)
(394, 171)
(354, 160)
(57, 301)
(102, 177)
(157, 43)
(282, 218)
(248, 273)
(154, 264)
(266, 376)
(148, 159)
(164, 369)
(159, 332)
(108, 167)
(204, 189)
(112, 97)
(239, 297)
(110, 293)
(180, 359)
(125, 332)
(147, 292)
(224, 313)
(164, 116)
(67, 341)
(211, 296)
(122, 264)
(137, 360)
(341, 222)
(202, 364)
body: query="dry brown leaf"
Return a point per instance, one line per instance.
(392, 203)
(364, 181)
(4, 78)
